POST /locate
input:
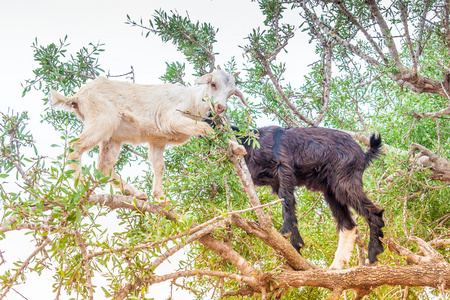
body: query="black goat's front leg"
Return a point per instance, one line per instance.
(289, 227)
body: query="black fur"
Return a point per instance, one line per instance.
(322, 160)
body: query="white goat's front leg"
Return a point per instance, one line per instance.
(190, 127)
(345, 247)
(156, 157)
(237, 149)
(106, 161)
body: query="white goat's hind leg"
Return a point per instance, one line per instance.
(107, 159)
(156, 158)
(77, 152)
(84, 143)
(345, 247)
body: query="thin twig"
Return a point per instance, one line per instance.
(404, 15)
(86, 266)
(227, 214)
(24, 265)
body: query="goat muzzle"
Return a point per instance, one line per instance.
(219, 108)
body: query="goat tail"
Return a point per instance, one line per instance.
(71, 103)
(375, 148)
(56, 99)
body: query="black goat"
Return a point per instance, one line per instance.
(322, 160)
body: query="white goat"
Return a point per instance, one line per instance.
(119, 112)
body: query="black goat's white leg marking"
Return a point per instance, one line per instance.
(345, 248)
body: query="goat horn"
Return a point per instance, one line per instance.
(218, 67)
(236, 74)
(241, 96)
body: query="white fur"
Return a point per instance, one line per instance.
(116, 112)
(345, 248)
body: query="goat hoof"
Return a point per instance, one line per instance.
(240, 151)
(161, 199)
(371, 264)
(142, 197)
(205, 129)
(285, 234)
(337, 265)
(285, 230)
(237, 149)
(334, 268)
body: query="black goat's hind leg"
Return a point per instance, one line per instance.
(374, 217)
(289, 228)
(296, 239)
(375, 245)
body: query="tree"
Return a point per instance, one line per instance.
(379, 66)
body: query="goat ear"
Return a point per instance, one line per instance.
(205, 79)
(241, 96)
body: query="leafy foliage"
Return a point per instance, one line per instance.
(356, 83)
(194, 40)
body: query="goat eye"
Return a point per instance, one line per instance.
(213, 85)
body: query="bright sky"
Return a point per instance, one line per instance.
(21, 21)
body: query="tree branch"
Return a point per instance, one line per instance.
(86, 266)
(405, 77)
(419, 47)
(386, 32)
(404, 15)
(357, 278)
(246, 179)
(363, 30)
(447, 23)
(121, 201)
(439, 165)
(352, 48)
(244, 279)
(440, 113)
(192, 237)
(281, 93)
(187, 37)
(272, 238)
(328, 53)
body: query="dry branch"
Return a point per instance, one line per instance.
(272, 238)
(86, 266)
(367, 277)
(403, 75)
(264, 60)
(426, 159)
(121, 201)
(439, 166)
(429, 269)
(385, 30)
(246, 179)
